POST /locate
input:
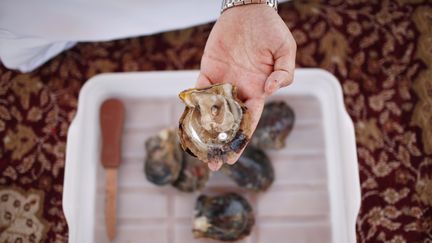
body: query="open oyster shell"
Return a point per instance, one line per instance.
(253, 170)
(275, 124)
(164, 157)
(215, 124)
(227, 217)
(193, 175)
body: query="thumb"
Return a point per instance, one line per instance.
(283, 71)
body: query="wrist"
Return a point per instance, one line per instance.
(227, 4)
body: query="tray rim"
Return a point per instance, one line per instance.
(327, 90)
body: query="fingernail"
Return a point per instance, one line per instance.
(231, 162)
(274, 85)
(214, 166)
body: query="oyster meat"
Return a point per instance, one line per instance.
(164, 158)
(253, 170)
(215, 124)
(276, 123)
(227, 217)
(193, 175)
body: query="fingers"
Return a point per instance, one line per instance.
(283, 73)
(203, 81)
(255, 108)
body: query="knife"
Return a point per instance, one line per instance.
(111, 122)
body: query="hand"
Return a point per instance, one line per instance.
(251, 47)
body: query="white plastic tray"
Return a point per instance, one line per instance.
(315, 197)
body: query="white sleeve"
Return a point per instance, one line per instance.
(32, 32)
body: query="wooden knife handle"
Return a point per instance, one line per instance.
(111, 202)
(111, 121)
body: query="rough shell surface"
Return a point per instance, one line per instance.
(215, 124)
(253, 170)
(193, 175)
(227, 217)
(276, 123)
(164, 158)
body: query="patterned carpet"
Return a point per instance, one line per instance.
(381, 51)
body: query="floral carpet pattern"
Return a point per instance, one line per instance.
(381, 51)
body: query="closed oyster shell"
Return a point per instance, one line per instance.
(193, 175)
(275, 124)
(215, 124)
(253, 170)
(164, 158)
(227, 217)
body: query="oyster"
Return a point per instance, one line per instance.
(193, 175)
(226, 217)
(215, 124)
(164, 158)
(253, 170)
(276, 123)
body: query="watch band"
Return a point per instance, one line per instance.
(226, 4)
